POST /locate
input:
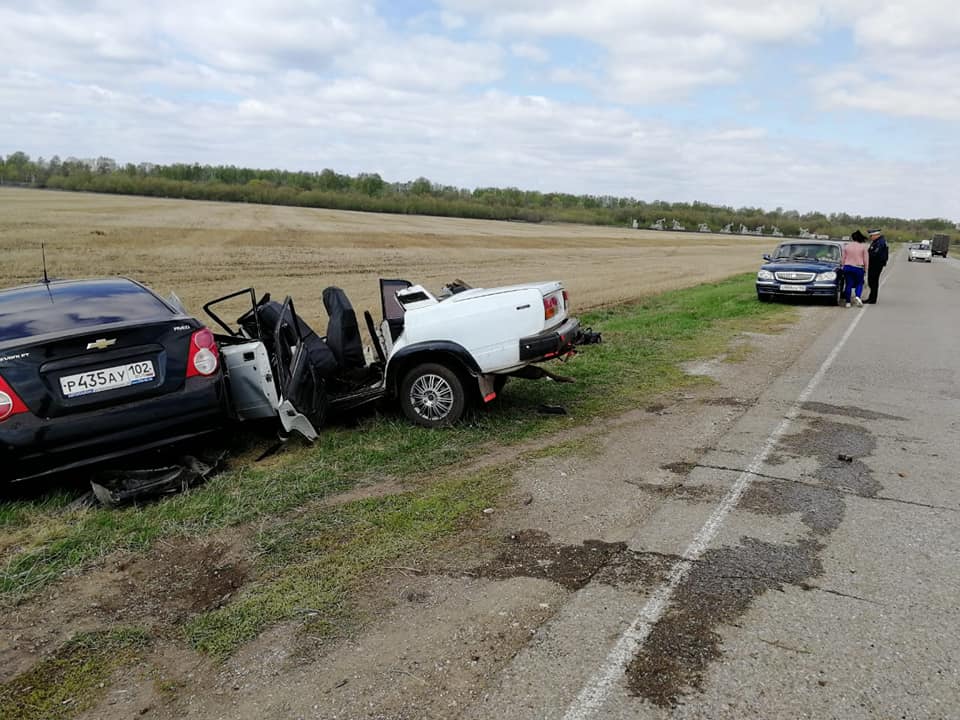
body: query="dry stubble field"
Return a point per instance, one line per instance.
(202, 250)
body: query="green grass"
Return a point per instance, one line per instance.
(73, 678)
(313, 559)
(311, 564)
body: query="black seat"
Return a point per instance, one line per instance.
(343, 333)
(268, 311)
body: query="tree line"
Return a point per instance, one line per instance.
(370, 192)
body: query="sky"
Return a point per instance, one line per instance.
(841, 106)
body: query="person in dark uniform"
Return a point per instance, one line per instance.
(878, 259)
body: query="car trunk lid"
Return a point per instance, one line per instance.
(82, 371)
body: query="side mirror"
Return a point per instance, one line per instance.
(766, 256)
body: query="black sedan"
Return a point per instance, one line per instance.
(802, 268)
(91, 370)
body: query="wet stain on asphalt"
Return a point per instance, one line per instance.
(848, 411)
(529, 553)
(728, 402)
(636, 569)
(680, 491)
(821, 509)
(680, 468)
(827, 441)
(723, 584)
(719, 589)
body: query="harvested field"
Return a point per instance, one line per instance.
(202, 250)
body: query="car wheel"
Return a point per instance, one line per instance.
(837, 298)
(432, 395)
(764, 298)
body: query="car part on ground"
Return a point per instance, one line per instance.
(93, 370)
(117, 487)
(434, 356)
(802, 268)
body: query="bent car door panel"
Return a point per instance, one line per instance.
(302, 399)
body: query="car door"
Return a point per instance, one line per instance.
(393, 311)
(303, 397)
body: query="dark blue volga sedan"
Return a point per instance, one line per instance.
(802, 268)
(91, 370)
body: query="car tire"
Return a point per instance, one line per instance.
(837, 297)
(764, 298)
(432, 395)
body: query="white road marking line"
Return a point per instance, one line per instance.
(595, 693)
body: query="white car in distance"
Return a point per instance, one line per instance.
(920, 252)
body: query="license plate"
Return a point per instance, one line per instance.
(793, 288)
(107, 379)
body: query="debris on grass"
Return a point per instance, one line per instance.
(116, 487)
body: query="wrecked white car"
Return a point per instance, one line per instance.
(433, 354)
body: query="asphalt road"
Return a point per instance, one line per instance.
(811, 568)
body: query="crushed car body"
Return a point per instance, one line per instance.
(434, 355)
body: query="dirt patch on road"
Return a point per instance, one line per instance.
(180, 578)
(682, 467)
(723, 584)
(719, 589)
(839, 449)
(427, 651)
(821, 509)
(848, 411)
(529, 553)
(157, 592)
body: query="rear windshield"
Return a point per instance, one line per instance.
(64, 307)
(809, 251)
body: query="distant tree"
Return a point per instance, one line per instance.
(18, 167)
(331, 181)
(104, 165)
(421, 186)
(369, 184)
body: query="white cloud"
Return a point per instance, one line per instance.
(916, 87)
(452, 21)
(425, 62)
(257, 111)
(651, 50)
(529, 51)
(908, 62)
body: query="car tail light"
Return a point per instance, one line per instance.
(10, 402)
(204, 358)
(551, 306)
(566, 300)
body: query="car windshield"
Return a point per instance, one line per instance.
(808, 251)
(59, 307)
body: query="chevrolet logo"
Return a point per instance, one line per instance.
(101, 344)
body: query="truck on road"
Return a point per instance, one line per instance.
(940, 244)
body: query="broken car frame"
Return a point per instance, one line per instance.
(432, 354)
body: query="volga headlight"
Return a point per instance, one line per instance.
(764, 275)
(825, 276)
